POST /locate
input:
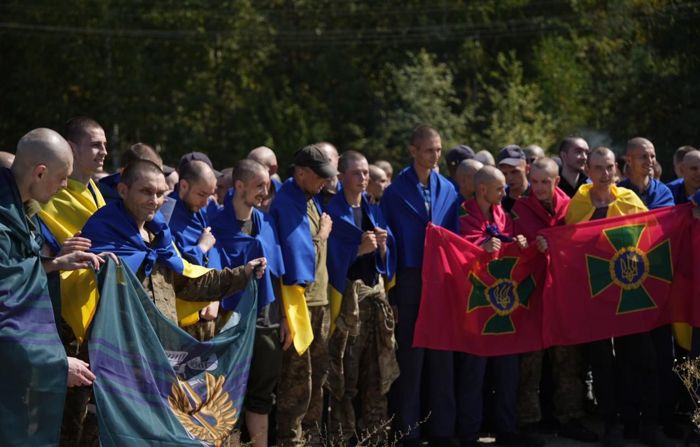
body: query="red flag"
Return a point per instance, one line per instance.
(619, 276)
(478, 302)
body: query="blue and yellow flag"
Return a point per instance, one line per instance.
(186, 228)
(581, 208)
(156, 385)
(34, 374)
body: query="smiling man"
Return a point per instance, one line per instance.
(573, 152)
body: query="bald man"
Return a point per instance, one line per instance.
(387, 168)
(690, 172)
(640, 158)
(485, 157)
(378, 181)
(543, 206)
(466, 171)
(678, 159)
(333, 186)
(484, 223)
(6, 159)
(36, 372)
(267, 158)
(532, 153)
(137, 151)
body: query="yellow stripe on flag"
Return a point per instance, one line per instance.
(298, 318)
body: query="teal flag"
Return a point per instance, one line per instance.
(156, 385)
(34, 371)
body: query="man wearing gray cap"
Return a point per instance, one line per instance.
(456, 155)
(303, 233)
(513, 164)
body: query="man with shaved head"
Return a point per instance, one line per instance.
(419, 195)
(333, 186)
(36, 372)
(543, 206)
(532, 153)
(640, 157)
(137, 151)
(466, 171)
(267, 158)
(378, 182)
(690, 182)
(387, 168)
(485, 157)
(573, 152)
(6, 159)
(678, 159)
(484, 223)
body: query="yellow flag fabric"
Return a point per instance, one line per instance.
(683, 334)
(298, 318)
(188, 311)
(69, 209)
(336, 303)
(581, 208)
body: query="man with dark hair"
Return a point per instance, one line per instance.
(332, 187)
(573, 152)
(303, 231)
(137, 151)
(378, 182)
(512, 163)
(456, 155)
(418, 196)
(689, 182)
(244, 233)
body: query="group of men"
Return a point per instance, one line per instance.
(338, 251)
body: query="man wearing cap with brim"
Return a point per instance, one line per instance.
(456, 155)
(513, 164)
(303, 231)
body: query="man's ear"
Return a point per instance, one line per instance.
(72, 146)
(414, 150)
(39, 172)
(273, 170)
(184, 186)
(123, 190)
(557, 179)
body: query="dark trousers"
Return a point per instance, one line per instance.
(413, 362)
(470, 398)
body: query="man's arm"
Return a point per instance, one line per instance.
(217, 284)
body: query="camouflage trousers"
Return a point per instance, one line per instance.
(361, 376)
(568, 388)
(300, 388)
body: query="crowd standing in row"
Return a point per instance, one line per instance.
(360, 355)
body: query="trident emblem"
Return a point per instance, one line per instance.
(629, 267)
(503, 295)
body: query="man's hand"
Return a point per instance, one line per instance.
(325, 226)
(696, 212)
(210, 312)
(542, 244)
(73, 261)
(285, 334)
(492, 245)
(79, 373)
(368, 243)
(256, 265)
(206, 240)
(382, 236)
(521, 241)
(75, 243)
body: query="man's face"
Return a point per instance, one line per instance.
(145, 197)
(427, 154)
(543, 184)
(575, 157)
(52, 179)
(255, 190)
(601, 169)
(356, 177)
(90, 150)
(494, 191)
(195, 195)
(690, 168)
(516, 176)
(641, 161)
(222, 187)
(377, 187)
(466, 185)
(311, 183)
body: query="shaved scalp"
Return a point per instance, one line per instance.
(385, 165)
(141, 151)
(263, 155)
(41, 147)
(422, 133)
(547, 165)
(637, 143)
(681, 152)
(375, 172)
(246, 169)
(197, 171)
(6, 159)
(485, 157)
(138, 169)
(468, 167)
(486, 175)
(691, 157)
(347, 159)
(600, 151)
(76, 127)
(329, 148)
(227, 175)
(567, 143)
(534, 151)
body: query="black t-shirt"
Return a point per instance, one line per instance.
(364, 267)
(569, 189)
(508, 203)
(268, 316)
(600, 213)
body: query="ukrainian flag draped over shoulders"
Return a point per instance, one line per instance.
(403, 205)
(34, 374)
(581, 208)
(234, 248)
(344, 242)
(289, 209)
(186, 228)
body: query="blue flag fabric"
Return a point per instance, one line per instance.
(345, 239)
(108, 187)
(276, 184)
(290, 214)
(677, 188)
(658, 195)
(234, 248)
(213, 209)
(403, 206)
(34, 375)
(156, 385)
(111, 229)
(186, 227)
